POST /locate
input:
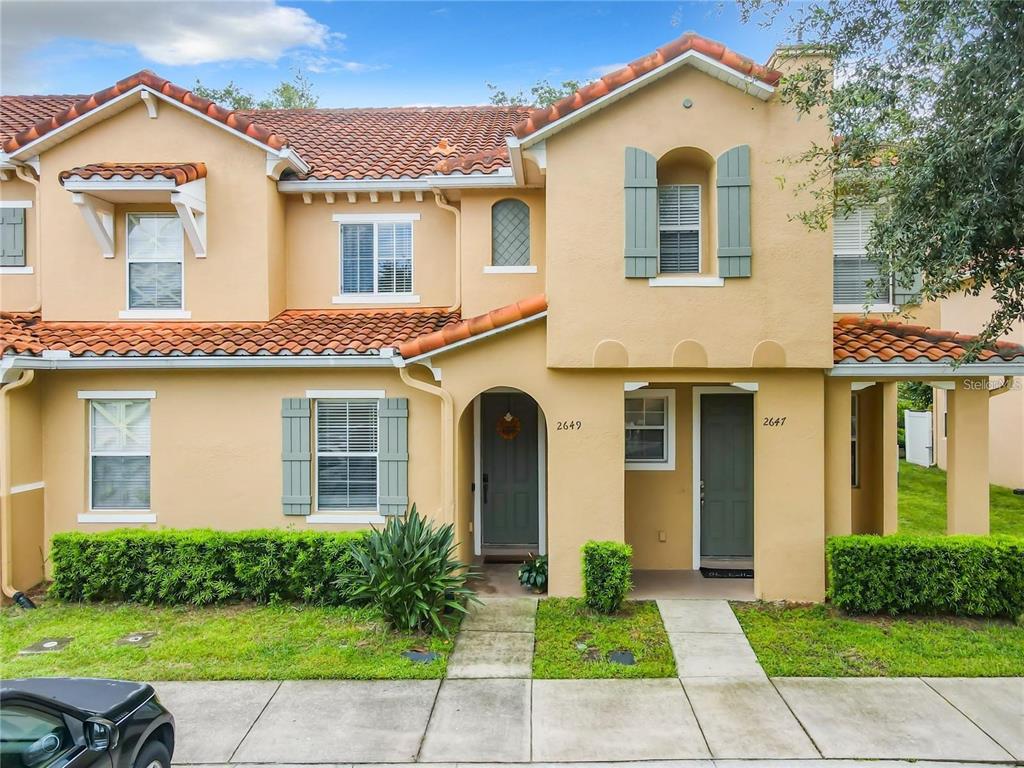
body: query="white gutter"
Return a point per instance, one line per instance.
(402, 362)
(502, 178)
(177, 362)
(913, 370)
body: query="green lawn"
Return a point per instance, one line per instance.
(922, 503)
(818, 641)
(574, 642)
(242, 642)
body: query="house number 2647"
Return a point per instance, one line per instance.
(573, 425)
(773, 421)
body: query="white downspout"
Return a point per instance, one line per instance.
(442, 203)
(1006, 386)
(23, 173)
(6, 511)
(447, 440)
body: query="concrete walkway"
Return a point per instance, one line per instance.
(495, 640)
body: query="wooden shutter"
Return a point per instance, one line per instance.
(393, 455)
(733, 183)
(641, 193)
(12, 237)
(296, 497)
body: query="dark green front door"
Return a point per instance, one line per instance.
(727, 475)
(509, 499)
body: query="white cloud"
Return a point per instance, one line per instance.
(605, 69)
(320, 64)
(191, 32)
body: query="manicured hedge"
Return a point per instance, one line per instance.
(607, 574)
(962, 575)
(200, 566)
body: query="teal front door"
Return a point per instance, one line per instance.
(727, 475)
(509, 488)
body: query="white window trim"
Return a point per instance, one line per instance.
(857, 308)
(16, 270)
(346, 515)
(118, 518)
(669, 464)
(26, 487)
(130, 313)
(346, 394)
(341, 518)
(119, 515)
(525, 269)
(15, 203)
(116, 394)
(699, 230)
(376, 297)
(686, 282)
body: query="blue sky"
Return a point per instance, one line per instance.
(355, 53)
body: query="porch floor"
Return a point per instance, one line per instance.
(651, 585)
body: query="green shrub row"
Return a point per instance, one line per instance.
(607, 574)
(200, 566)
(961, 575)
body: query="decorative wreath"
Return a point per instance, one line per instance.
(509, 426)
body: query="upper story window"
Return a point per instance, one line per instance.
(510, 236)
(679, 228)
(856, 281)
(12, 236)
(346, 455)
(155, 255)
(376, 259)
(119, 455)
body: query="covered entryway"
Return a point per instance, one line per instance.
(724, 468)
(510, 482)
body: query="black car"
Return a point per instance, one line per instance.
(50, 722)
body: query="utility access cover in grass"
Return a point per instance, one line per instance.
(574, 642)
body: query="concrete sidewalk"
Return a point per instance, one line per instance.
(522, 721)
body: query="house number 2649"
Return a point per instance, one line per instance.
(573, 425)
(773, 421)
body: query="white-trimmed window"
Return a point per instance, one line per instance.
(346, 455)
(650, 429)
(119, 455)
(679, 228)
(155, 251)
(856, 281)
(376, 258)
(854, 452)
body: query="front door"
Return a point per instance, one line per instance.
(727, 475)
(509, 499)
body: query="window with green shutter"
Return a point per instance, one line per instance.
(641, 213)
(346, 455)
(733, 182)
(12, 237)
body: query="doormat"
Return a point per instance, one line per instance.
(727, 573)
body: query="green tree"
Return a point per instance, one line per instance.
(542, 93)
(927, 108)
(296, 93)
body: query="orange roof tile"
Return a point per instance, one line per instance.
(542, 116)
(233, 119)
(474, 326)
(859, 339)
(293, 332)
(180, 173)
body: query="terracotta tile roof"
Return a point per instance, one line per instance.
(859, 339)
(180, 173)
(236, 120)
(18, 113)
(474, 326)
(396, 142)
(293, 332)
(541, 116)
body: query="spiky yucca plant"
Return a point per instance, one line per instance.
(409, 572)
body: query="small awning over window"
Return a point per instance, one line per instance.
(96, 188)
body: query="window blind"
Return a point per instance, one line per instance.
(155, 254)
(346, 443)
(679, 228)
(119, 446)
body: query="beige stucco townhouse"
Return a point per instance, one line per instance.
(595, 320)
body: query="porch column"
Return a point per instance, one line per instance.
(967, 500)
(890, 459)
(838, 463)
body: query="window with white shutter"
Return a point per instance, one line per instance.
(376, 258)
(679, 228)
(346, 455)
(856, 281)
(155, 261)
(119, 455)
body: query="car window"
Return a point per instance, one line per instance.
(32, 739)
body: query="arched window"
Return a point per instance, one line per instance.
(510, 234)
